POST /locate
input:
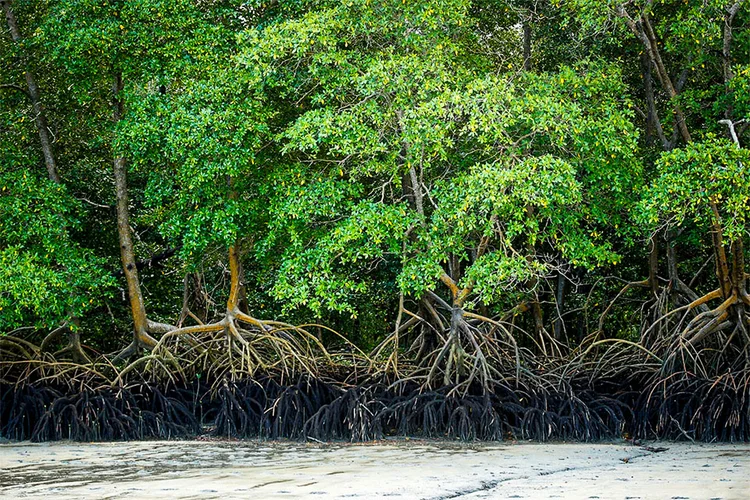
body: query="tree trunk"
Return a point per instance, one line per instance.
(644, 32)
(527, 45)
(738, 266)
(235, 285)
(655, 54)
(558, 326)
(457, 352)
(40, 119)
(33, 92)
(536, 308)
(652, 119)
(653, 265)
(722, 263)
(141, 338)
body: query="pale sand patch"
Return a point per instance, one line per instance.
(404, 469)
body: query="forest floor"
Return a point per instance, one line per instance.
(399, 468)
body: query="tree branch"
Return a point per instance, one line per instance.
(12, 86)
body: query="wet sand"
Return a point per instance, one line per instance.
(402, 469)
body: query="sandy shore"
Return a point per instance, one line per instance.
(406, 469)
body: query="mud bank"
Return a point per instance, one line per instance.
(404, 469)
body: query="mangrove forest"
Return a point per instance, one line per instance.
(352, 219)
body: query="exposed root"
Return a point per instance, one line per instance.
(683, 405)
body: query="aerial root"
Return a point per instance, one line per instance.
(683, 405)
(472, 353)
(238, 346)
(708, 322)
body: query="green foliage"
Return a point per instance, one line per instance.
(360, 151)
(692, 178)
(543, 160)
(198, 147)
(45, 277)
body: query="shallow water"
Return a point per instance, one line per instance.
(403, 469)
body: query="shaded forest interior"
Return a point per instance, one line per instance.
(490, 219)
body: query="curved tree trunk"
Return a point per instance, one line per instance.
(33, 92)
(642, 29)
(141, 337)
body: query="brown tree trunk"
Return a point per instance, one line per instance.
(653, 265)
(235, 285)
(738, 267)
(527, 45)
(536, 308)
(655, 54)
(141, 337)
(644, 32)
(652, 119)
(237, 293)
(33, 92)
(722, 263)
(558, 325)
